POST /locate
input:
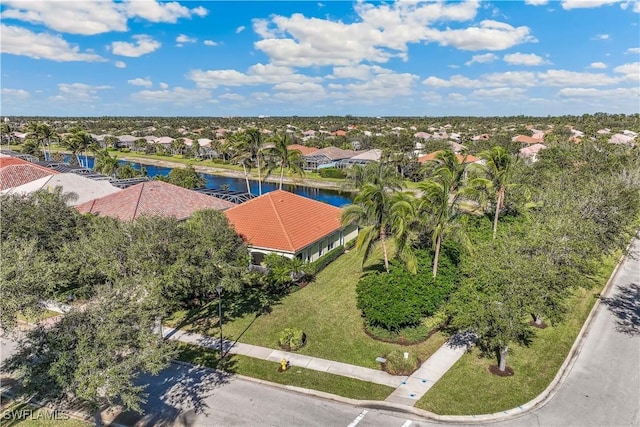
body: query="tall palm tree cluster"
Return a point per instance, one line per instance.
(452, 190)
(251, 149)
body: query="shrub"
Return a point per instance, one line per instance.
(397, 365)
(291, 339)
(405, 336)
(398, 299)
(319, 264)
(332, 173)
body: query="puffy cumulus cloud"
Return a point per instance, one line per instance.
(140, 82)
(210, 43)
(357, 72)
(177, 96)
(163, 85)
(489, 35)
(385, 85)
(630, 71)
(182, 38)
(299, 92)
(154, 11)
(573, 78)
(120, 64)
(614, 94)
(20, 41)
(500, 92)
(95, 17)
(581, 4)
(74, 17)
(481, 59)
(14, 94)
(379, 33)
(257, 74)
(598, 65)
(523, 59)
(232, 97)
(536, 2)
(78, 92)
(143, 44)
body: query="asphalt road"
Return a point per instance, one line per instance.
(602, 388)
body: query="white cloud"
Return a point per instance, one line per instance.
(523, 59)
(614, 94)
(240, 29)
(78, 92)
(385, 85)
(140, 82)
(20, 41)
(601, 37)
(144, 44)
(631, 71)
(163, 85)
(536, 2)
(579, 4)
(489, 35)
(357, 72)
(257, 74)
(481, 59)
(633, 50)
(210, 43)
(573, 78)
(598, 65)
(177, 96)
(232, 97)
(14, 94)
(154, 11)
(120, 64)
(500, 93)
(94, 17)
(182, 38)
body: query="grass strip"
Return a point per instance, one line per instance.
(299, 377)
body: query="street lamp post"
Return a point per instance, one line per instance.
(219, 290)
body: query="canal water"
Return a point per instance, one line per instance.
(332, 197)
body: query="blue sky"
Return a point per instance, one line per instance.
(310, 58)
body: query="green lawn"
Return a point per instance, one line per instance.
(326, 311)
(299, 377)
(469, 389)
(25, 415)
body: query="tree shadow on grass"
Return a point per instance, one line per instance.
(625, 306)
(177, 395)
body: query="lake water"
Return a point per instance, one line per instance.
(332, 197)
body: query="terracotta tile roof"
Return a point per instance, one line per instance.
(15, 172)
(527, 139)
(283, 221)
(461, 158)
(302, 148)
(152, 198)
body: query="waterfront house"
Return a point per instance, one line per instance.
(152, 198)
(289, 225)
(15, 172)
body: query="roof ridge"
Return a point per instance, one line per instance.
(135, 211)
(284, 229)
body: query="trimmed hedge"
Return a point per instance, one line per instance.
(332, 173)
(319, 264)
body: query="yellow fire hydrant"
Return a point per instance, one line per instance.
(284, 365)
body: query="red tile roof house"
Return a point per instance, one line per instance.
(289, 225)
(152, 198)
(15, 172)
(468, 158)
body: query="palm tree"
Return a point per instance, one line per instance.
(255, 146)
(284, 158)
(372, 211)
(33, 134)
(81, 141)
(46, 135)
(239, 147)
(499, 172)
(105, 164)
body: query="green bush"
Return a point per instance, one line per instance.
(291, 339)
(332, 173)
(405, 336)
(399, 299)
(319, 264)
(397, 365)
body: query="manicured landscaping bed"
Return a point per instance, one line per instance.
(469, 389)
(299, 377)
(326, 311)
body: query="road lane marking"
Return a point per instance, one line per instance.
(359, 418)
(407, 423)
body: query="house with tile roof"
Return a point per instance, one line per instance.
(305, 150)
(462, 158)
(326, 157)
(15, 172)
(289, 225)
(85, 189)
(152, 198)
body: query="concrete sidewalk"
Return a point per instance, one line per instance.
(337, 368)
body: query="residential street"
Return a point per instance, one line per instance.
(602, 389)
